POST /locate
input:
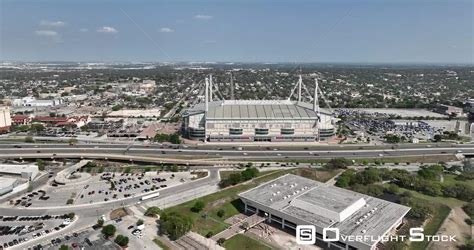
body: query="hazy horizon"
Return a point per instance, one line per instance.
(241, 31)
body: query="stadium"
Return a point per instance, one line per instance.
(258, 120)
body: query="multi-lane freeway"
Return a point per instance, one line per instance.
(209, 154)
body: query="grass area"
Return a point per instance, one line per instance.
(227, 200)
(440, 213)
(450, 202)
(161, 244)
(450, 179)
(241, 242)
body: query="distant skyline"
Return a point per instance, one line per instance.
(321, 31)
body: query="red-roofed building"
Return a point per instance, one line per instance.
(22, 119)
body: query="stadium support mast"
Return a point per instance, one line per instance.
(210, 88)
(231, 87)
(207, 94)
(300, 82)
(316, 100)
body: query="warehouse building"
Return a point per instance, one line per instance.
(258, 120)
(292, 200)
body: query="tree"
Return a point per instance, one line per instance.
(109, 230)
(41, 164)
(64, 247)
(29, 139)
(175, 224)
(198, 206)
(100, 222)
(174, 138)
(71, 215)
(469, 209)
(221, 241)
(121, 240)
(221, 213)
(140, 222)
(152, 211)
(337, 163)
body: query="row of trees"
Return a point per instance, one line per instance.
(173, 138)
(236, 178)
(425, 181)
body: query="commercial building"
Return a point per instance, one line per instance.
(292, 200)
(24, 171)
(7, 185)
(5, 119)
(258, 120)
(33, 102)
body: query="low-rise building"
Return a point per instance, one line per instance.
(24, 171)
(7, 185)
(292, 200)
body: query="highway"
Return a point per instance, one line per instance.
(210, 156)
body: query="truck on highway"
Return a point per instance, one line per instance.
(146, 197)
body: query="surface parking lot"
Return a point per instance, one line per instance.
(103, 187)
(87, 239)
(15, 230)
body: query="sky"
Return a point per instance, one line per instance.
(324, 31)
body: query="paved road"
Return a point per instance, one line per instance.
(202, 156)
(89, 213)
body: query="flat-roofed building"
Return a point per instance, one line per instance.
(24, 171)
(292, 200)
(7, 185)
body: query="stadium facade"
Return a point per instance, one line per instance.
(258, 120)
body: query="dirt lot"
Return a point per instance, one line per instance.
(453, 225)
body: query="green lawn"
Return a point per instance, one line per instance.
(242, 242)
(161, 244)
(227, 200)
(451, 202)
(450, 179)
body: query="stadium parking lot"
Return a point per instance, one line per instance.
(16, 230)
(102, 187)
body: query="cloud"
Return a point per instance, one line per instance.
(84, 30)
(166, 30)
(52, 24)
(107, 29)
(49, 33)
(203, 17)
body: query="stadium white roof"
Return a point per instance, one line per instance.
(257, 109)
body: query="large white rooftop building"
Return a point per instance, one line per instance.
(257, 120)
(292, 200)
